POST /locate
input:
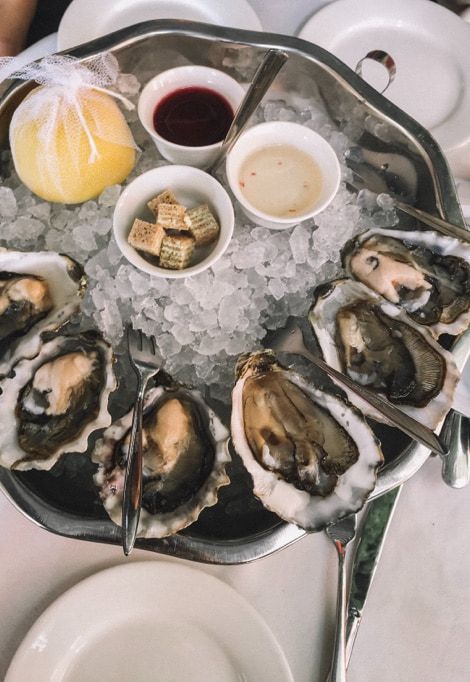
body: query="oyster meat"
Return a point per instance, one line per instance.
(24, 300)
(38, 292)
(55, 401)
(425, 273)
(311, 455)
(184, 459)
(378, 346)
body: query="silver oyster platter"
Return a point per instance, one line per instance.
(389, 146)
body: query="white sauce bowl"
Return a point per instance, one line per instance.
(295, 135)
(191, 187)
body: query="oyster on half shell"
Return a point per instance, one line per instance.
(312, 456)
(425, 273)
(379, 346)
(55, 401)
(184, 459)
(38, 292)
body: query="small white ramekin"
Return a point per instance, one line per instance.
(175, 79)
(293, 134)
(191, 187)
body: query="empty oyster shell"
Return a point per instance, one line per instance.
(312, 456)
(184, 451)
(425, 273)
(379, 346)
(55, 401)
(38, 292)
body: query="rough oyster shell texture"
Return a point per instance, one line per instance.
(55, 401)
(425, 273)
(38, 292)
(185, 455)
(378, 345)
(311, 455)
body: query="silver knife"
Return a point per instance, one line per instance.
(375, 524)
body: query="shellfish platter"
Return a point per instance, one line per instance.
(362, 285)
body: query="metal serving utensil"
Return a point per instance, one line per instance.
(146, 363)
(340, 533)
(290, 340)
(264, 76)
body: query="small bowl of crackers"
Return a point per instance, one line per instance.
(173, 221)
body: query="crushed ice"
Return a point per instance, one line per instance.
(203, 322)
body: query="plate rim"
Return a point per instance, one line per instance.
(78, 7)
(457, 118)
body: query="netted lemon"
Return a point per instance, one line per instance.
(69, 148)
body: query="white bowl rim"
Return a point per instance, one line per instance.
(190, 68)
(136, 260)
(286, 125)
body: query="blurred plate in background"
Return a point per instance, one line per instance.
(85, 20)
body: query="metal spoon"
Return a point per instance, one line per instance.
(264, 76)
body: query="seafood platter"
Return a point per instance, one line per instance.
(245, 449)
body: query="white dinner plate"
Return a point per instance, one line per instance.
(429, 44)
(150, 621)
(88, 19)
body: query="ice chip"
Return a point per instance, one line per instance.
(110, 195)
(299, 243)
(8, 205)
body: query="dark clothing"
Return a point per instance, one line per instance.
(46, 19)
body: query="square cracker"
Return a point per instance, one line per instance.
(176, 251)
(166, 197)
(146, 237)
(172, 217)
(202, 225)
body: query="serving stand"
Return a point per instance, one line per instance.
(387, 146)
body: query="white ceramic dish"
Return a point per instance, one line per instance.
(293, 134)
(430, 46)
(191, 187)
(183, 77)
(149, 621)
(85, 20)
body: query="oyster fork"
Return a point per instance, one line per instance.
(146, 363)
(341, 533)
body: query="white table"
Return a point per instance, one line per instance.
(416, 624)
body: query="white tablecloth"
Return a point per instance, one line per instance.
(416, 624)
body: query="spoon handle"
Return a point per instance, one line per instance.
(264, 76)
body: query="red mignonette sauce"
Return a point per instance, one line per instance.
(193, 117)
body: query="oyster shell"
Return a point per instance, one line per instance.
(38, 292)
(312, 456)
(185, 453)
(425, 273)
(379, 346)
(55, 401)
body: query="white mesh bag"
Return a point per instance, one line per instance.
(68, 137)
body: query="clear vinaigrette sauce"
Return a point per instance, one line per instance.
(281, 180)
